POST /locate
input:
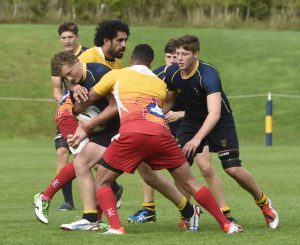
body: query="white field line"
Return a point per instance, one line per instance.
(245, 96)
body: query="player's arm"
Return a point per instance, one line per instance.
(169, 102)
(84, 104)
(214, 113)
(110, 111)
(57, 88)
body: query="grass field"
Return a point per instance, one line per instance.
(28, 166)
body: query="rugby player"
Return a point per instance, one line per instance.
(208, 119)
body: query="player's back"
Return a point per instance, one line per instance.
(140, 95)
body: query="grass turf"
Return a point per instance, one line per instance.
(28, 166)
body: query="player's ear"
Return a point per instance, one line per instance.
(196, 54)
(106, 41)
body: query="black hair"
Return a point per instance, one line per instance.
(108, 29)
(143, 53)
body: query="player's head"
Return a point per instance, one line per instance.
(170, 52)
(112, 36)
(187, 50)
(142, 54)
(67, 66)
(68, 34)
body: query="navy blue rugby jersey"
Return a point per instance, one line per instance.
(193, 89)
(161, 73)
(92, 74)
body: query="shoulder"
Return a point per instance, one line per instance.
(159, 70)
(208, 69)
(172, 71)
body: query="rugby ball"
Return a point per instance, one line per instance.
(90, 113)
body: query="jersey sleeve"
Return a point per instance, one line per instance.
(211, 82)
(106, 84)
(101, 71)
(169, 79)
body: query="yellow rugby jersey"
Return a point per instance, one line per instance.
(140, 95)
(96, 55)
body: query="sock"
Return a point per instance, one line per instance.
(149, 206)
(99, 213)
(90, 215)
(206, 200)
(185, 208)
(65, 175)
(226, 211)
(67, 192)
(263, 201)
(107, 202)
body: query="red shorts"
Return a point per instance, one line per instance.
(127, 151)
(66, 125)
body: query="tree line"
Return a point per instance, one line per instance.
(204, 13)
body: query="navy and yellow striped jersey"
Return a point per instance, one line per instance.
(194, 88)
(161, 73)
(92, 74)
(80, 50)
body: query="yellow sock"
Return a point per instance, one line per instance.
(226, 211)
(263, 201)
(90, 211)
(149, 205)
(182, 203)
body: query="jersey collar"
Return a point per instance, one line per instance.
(142, 69)
(78, 50)
(192, 72)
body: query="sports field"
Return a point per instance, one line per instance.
(249, 61)
(27, 167)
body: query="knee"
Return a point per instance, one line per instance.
(62, 153)
(80, 166)
(234, 172)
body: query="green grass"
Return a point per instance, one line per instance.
(28, 166)
(249, 61)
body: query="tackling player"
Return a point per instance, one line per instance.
(140, 96)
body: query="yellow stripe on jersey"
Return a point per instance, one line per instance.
(192, 72)
(78, 50)
(95, 55)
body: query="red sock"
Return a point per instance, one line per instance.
(66, 174)
(206, 200)
(106, 200)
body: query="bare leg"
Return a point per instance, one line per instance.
(183, 176)
(159, 182)
(213, 180)
(83, 163)
(246, 180)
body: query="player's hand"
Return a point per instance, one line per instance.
(173, 116)
(74, 140)
(190, 148)
(80, 93)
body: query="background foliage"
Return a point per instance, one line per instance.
(218, 13)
